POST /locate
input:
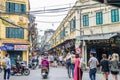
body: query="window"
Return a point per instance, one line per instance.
(114, 15)
(64, 31)
(14, 33)
(99, 18)
(85, 20)
(72, 24)
(61, 35)
(15, 8)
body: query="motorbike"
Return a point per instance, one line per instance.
(23, 70)
(44, 72)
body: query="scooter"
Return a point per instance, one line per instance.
(44, 72)
(23, 70)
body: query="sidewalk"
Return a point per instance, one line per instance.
(98, 76)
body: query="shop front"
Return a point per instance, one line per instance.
(103, 44)
(14, 50)
(63, 48)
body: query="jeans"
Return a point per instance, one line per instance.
(92, 74)
(6, 74)
(72, 68)
(69, 70)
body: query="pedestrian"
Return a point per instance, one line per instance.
(72, 62)
(77, 73)
(81, 61)
(93, 62)
(104, 66)
(55, 61)
(68, 64)
(51, 60)
(7, 68)
(60, 60)
(114, 63)
(17, 62)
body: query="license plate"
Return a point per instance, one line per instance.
(43, 73)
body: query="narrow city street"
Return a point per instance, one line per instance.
(55, 74)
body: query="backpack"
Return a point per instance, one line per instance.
(83, 66)
(4, 63)
(68, 62)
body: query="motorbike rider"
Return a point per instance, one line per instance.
(17, 62)
(45, 62)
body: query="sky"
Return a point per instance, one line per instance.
(49, 20)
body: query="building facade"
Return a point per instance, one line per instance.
(33, 33)
(14, 33)
(92, 24)
(45, 45)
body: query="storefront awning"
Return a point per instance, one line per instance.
(98, 36)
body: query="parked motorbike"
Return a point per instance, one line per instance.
(23, 70)
(44, 72)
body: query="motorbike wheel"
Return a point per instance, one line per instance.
(0, 70)
(44, 77)
(26, 72)
(12, 72)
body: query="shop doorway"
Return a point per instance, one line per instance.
(13, 55)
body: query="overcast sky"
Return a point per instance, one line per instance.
(45, 21)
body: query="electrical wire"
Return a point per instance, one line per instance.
(48, 21)
(41, 21)
(50, 15)
(69, 4)
(56, 9)
(51, 12)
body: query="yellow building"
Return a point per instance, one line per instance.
(96, 27)
(13, 39)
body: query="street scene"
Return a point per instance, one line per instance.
(60, 40)
(59, 74)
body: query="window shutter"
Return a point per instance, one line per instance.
(19, 8)
(114, 15)
(24, 8)
(117, 15)
(87, 20)
(11, 7)
(7, 32)
(8, 7)
(16, 8)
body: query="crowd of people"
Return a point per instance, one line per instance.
(76, 64)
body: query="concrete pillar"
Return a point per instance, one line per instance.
(77, 14)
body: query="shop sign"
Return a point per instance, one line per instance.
(8, 47)
(107, 41)
(21, 47)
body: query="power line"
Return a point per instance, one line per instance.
(48, 21)
(55, 6)
(51, 10)
(51, 15)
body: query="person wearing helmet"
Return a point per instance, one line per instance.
(45, 62)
